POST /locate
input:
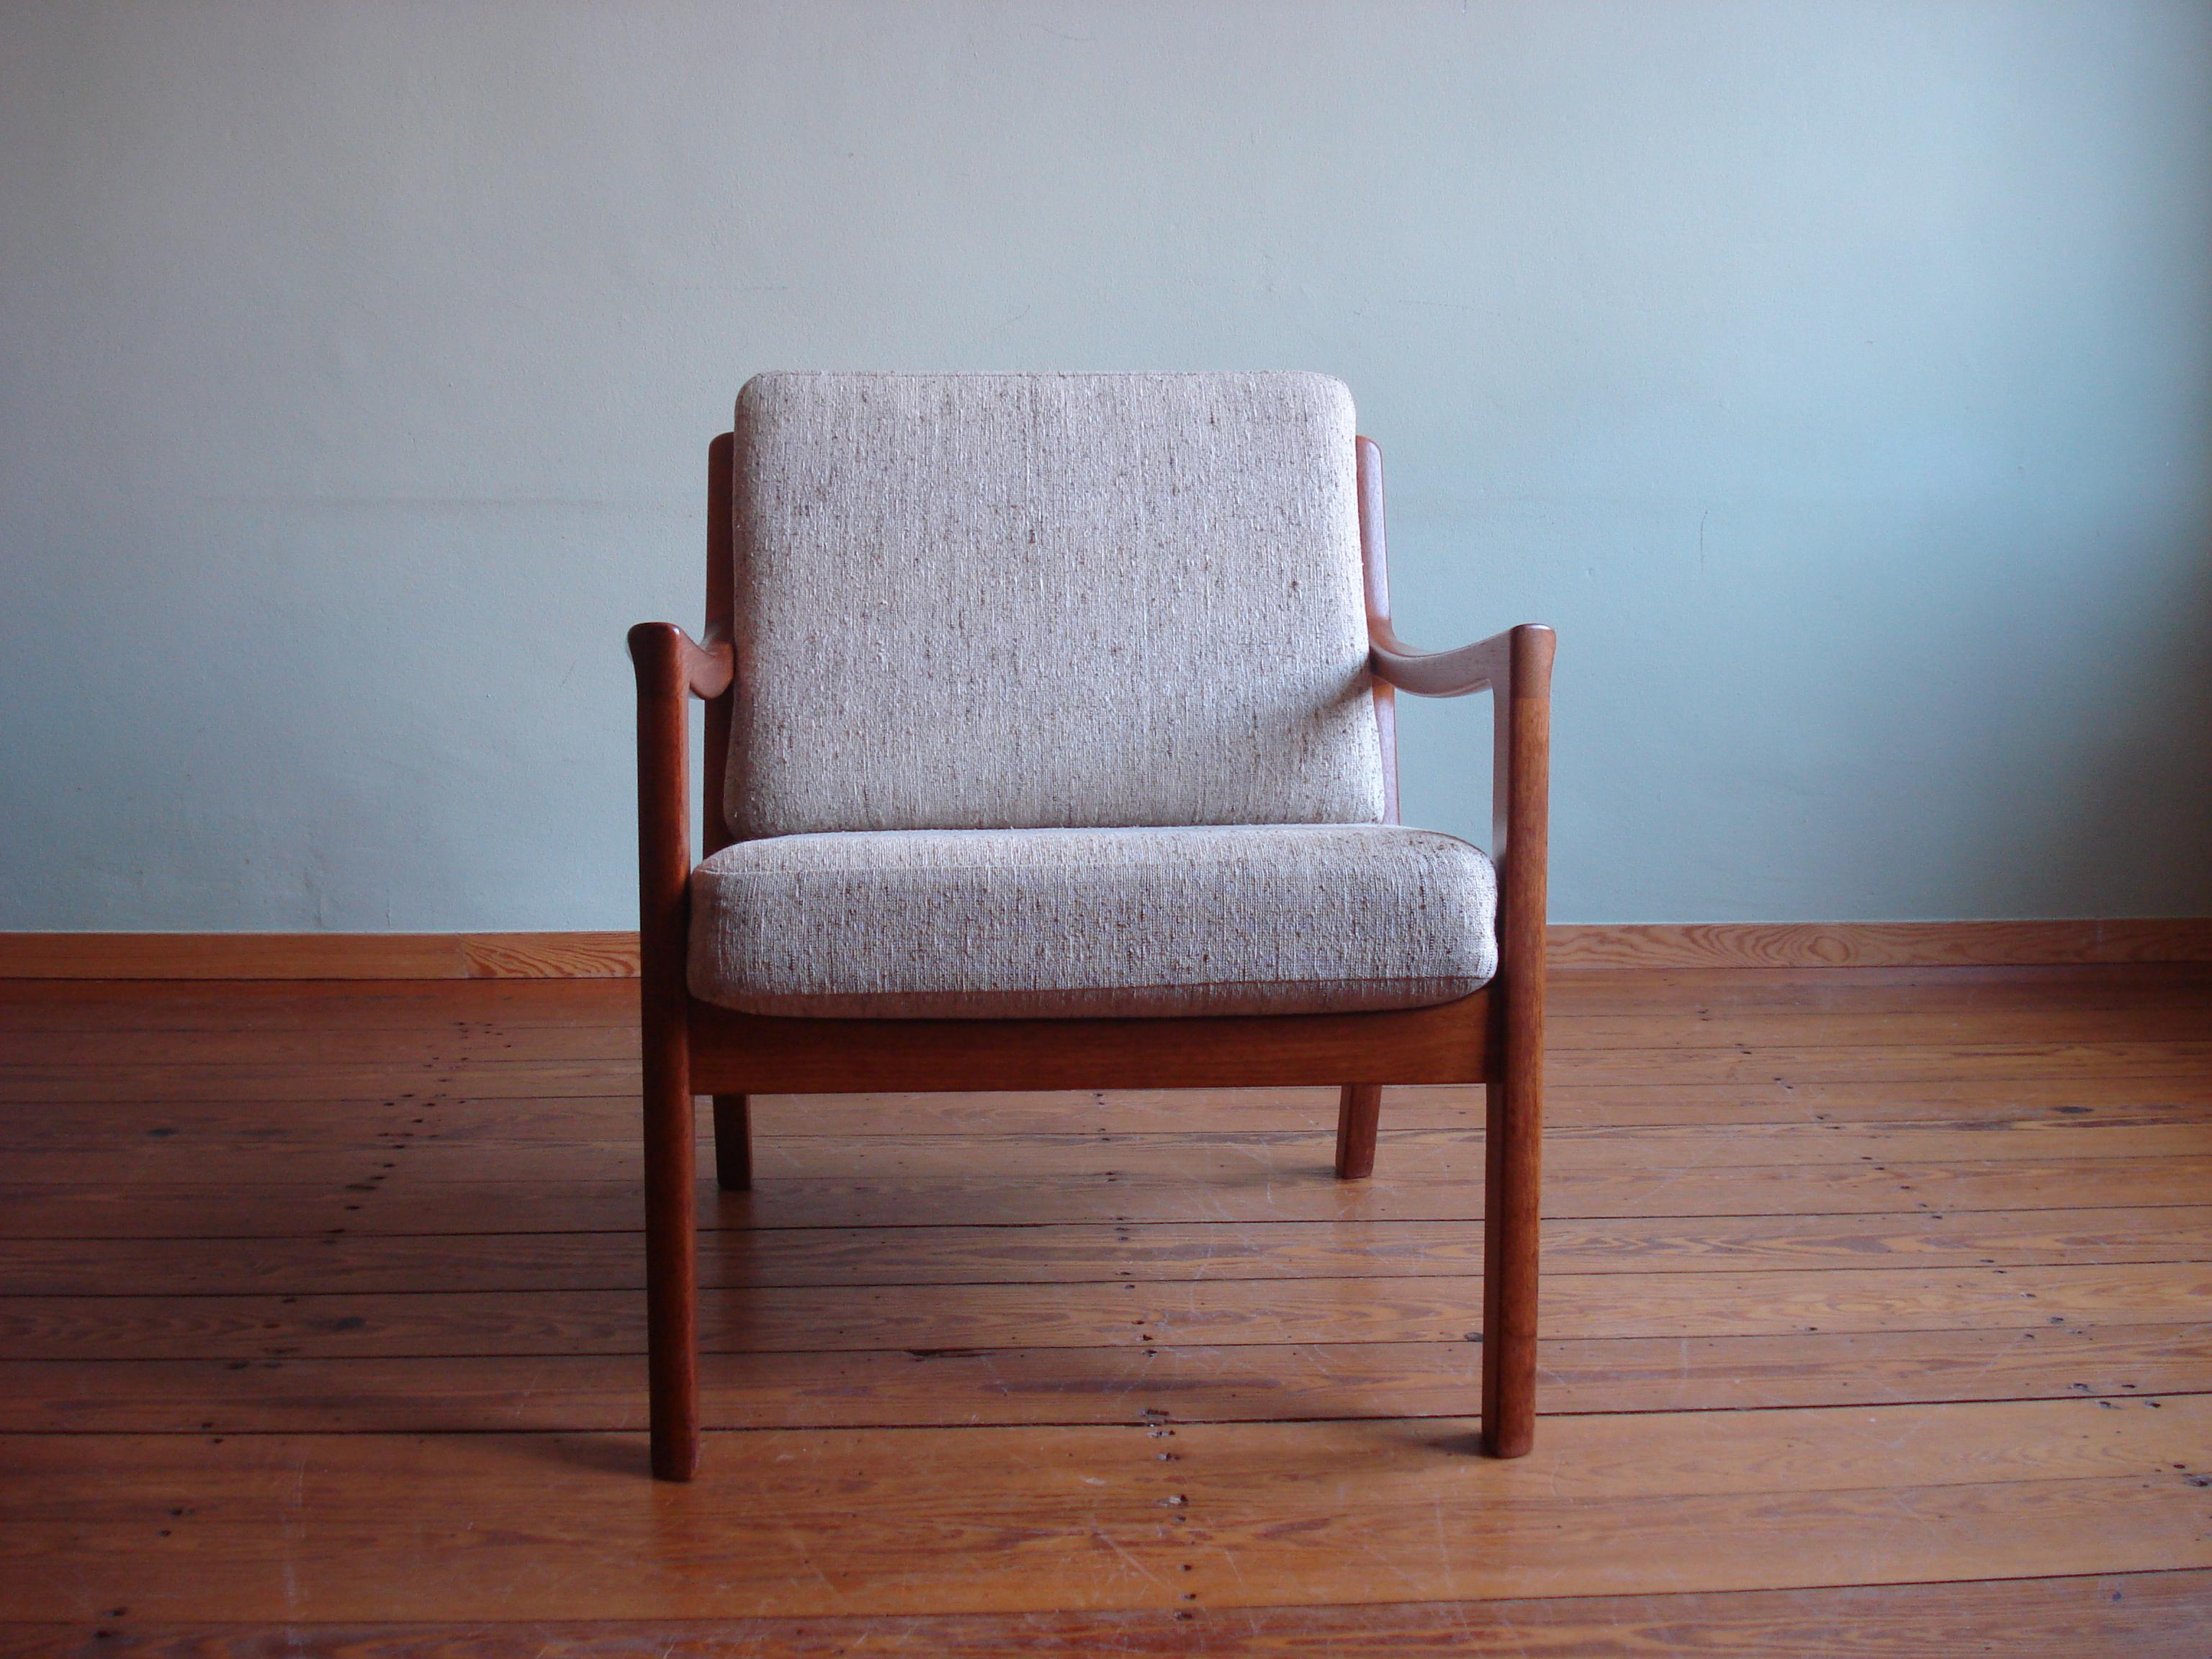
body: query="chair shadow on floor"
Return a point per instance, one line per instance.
(1090, 1381)
(623, 1453)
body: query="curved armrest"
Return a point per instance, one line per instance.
(1515, 668)
(664, 649)
(1516, 663)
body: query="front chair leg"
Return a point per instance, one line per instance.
(672, 1274)
(1510, 1243)
(733, 1143)
(1359, 1109)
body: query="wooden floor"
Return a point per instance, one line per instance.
(1878, 1308)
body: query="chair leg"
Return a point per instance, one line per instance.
(733, 1143)
(1521, 708)
(672, 1274)
(1358, 1110)
(1511, 1144)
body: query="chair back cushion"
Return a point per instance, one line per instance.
(1016, 601)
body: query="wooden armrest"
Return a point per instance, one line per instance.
(706, 670)
(1516, 663)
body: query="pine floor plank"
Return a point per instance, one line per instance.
(2114, 1616)
(370, 1263)
(1224, 1188)
(356, 1527)
(2181, 1061)
(947, 1386)
(1265, 1156)
(816, 1319)
(311, 1043)
(207, 1126)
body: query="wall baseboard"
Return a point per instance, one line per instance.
(614, 955)
(318, 956)
(1883, 944)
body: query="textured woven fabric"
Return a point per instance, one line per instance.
(979, 601)
(1272, 919)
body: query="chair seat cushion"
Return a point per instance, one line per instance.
(1262, 919)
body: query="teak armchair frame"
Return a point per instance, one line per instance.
(1495, 1037)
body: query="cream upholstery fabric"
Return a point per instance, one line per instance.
(1259, 919)
(978, 601)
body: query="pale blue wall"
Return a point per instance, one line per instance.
(1837, 378)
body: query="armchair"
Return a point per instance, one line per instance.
(1050, 744)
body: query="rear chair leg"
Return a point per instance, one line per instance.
(733, 1143)
(1359, 1109)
